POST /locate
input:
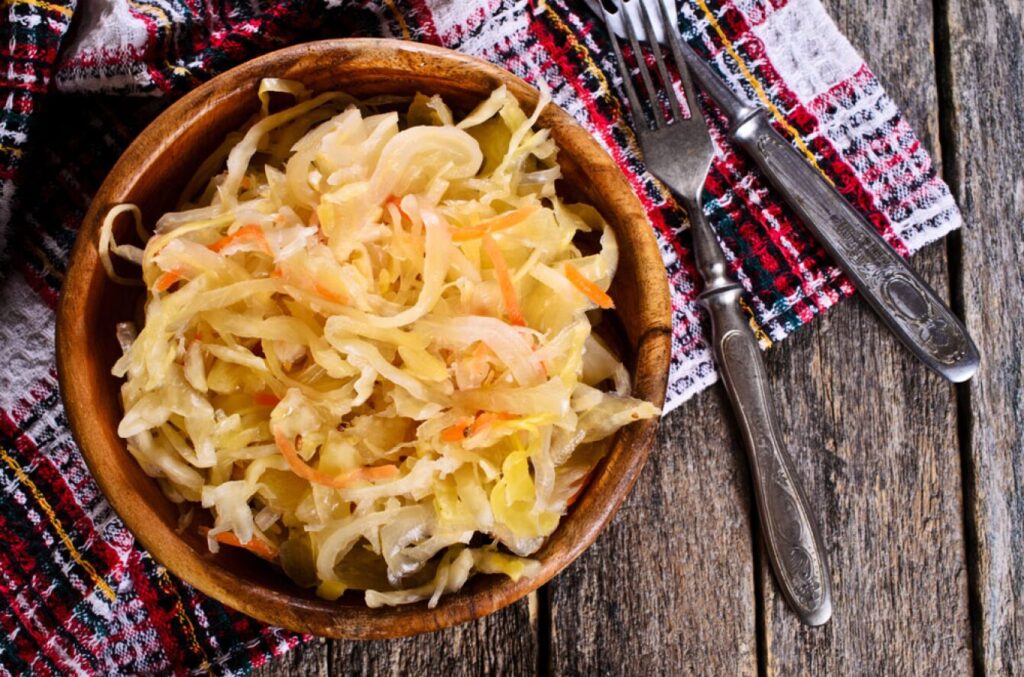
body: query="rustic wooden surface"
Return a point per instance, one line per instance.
(983, 140)
(920, 484)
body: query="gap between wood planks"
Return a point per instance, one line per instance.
(948, 150)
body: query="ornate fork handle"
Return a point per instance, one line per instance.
(904, 302)
(790, 535)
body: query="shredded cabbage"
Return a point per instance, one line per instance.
(368, 348)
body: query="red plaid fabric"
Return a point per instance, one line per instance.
(79, 594)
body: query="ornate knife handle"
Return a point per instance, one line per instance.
(790, 535)
(905, 303)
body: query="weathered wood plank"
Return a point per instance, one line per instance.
(879, 434)
(669, 587)
(881, 463)
(504, 643)
(985, 134)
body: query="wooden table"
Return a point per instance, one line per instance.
(919, 485)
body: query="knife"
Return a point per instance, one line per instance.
(908, 306)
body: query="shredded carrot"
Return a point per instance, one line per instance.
(250, 232)
(307, 472)
(589, 289)
(508, 291)
(579, 492)
(167, 280)
(329, 294)
(278, 272)
(467, 426)
(246, 183)
(485, 419)
(459, 431)
(376, 472)
(499, 222)
(267, 399)
(256, 545)
(397, 202)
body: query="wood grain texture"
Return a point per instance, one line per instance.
(669, 586)
(880, 460)
(879, 442)
(504, 643)
(986, 136)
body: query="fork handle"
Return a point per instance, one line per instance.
(909, 307)
(790, 535)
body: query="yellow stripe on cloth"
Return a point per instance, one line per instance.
(190, 628)
(162, 19)
(591, 67)
(406, 35)
(759, 89)
(52, 516)
(41, 4)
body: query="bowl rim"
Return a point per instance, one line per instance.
(291, 612)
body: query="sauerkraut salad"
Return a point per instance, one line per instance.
(367, 347)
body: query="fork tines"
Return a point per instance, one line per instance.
(627, 9)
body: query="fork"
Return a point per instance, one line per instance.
(678, 151)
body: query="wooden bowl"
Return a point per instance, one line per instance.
(151, 174)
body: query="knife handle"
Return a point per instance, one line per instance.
(790, 535)
(905, 303)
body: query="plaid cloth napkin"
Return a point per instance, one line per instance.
(78, 594)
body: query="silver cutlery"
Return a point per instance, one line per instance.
(909, 307)
(678, 151)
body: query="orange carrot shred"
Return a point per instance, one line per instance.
(311, 474)
(256, 546)
(167, 280)
(589, 289)
(249, 232)
(485, 419)
(457, 432)
(329, 294)
(508, 291)
(499, 222)
(267, 399)
(397, 202)
(376, 472)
